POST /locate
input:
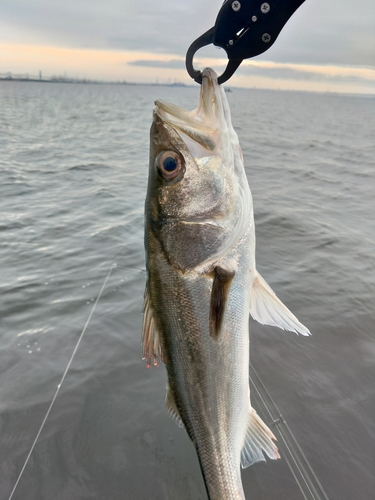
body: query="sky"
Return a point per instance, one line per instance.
(327, 45)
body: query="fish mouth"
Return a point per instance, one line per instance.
(201, 124)
(186, 124)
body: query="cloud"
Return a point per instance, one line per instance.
(309, 72)
(142, 41)
(168, 26)
(159, 63)
(308, 77)
(115, 65)
(335, 32)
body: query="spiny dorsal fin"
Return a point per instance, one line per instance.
(258, 439)
(268, 309)
(152, 348)
(172, 409)
(220, 289)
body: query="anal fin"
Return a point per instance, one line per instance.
(258, 440)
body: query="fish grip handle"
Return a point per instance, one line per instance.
(244, 29)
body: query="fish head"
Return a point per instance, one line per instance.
(196, 179)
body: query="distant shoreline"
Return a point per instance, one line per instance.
(174, 84)
(87, 81)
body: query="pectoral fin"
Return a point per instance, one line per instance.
(220, 289)
(152, 348)
(268, 309)
(258, 439)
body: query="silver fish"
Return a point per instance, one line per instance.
(203, 284)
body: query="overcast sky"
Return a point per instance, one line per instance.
(326, 45)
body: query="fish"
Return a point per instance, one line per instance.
(202, 285)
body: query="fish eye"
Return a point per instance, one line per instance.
(169, 164)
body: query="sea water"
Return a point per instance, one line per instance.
(73, 176)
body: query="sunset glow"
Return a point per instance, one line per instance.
(145, 67)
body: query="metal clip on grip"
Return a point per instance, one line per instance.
(243, 29)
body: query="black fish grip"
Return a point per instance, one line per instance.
(243, 29)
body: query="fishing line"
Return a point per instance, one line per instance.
(114, 265)
(296, 461)
(310, 487)
(286, 459)
(137, 269)
(294, 443)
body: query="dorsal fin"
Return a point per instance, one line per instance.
(220, 288)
